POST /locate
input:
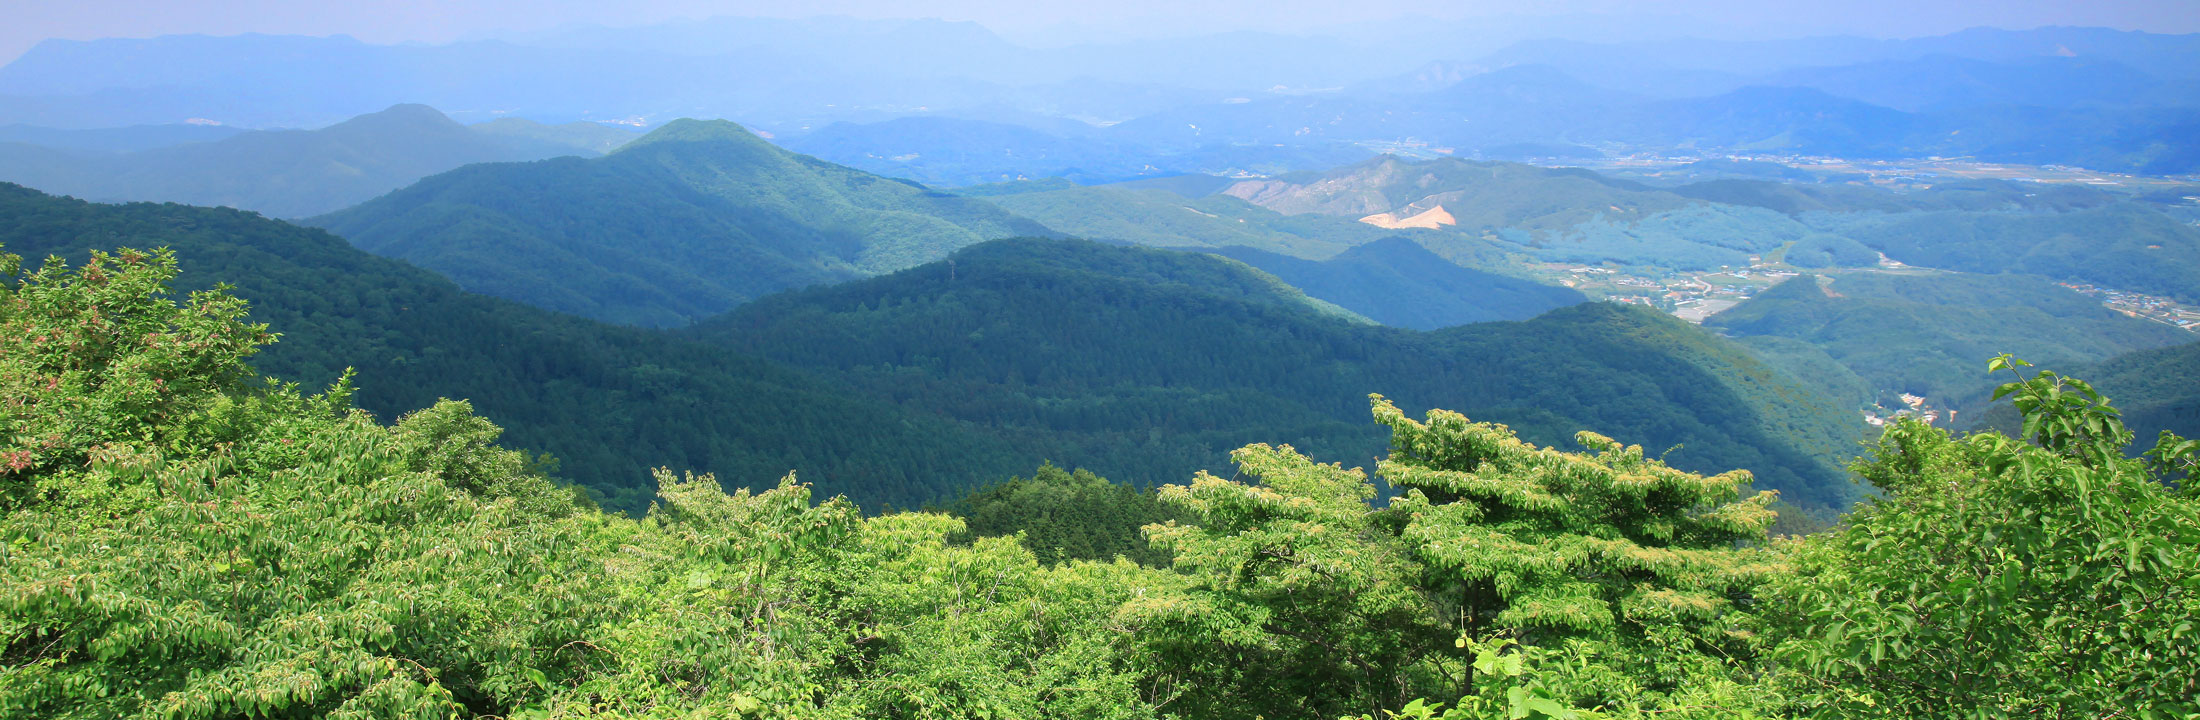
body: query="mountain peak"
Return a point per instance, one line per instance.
(402, 114)
(692, 130)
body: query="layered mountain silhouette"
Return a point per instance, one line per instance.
(284, 173)
(688, 221)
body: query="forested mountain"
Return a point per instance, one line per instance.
(610, 403)
(1481, 194)
(281, 554)
(1132, 362)
(1550, 214)
(1923, 334)
(284, 173)
(2127, 246)
(687, 221)
(1140, 364)
(1162, 218)
(1396, 282)
(2156, 388)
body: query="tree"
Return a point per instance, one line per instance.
(1638, 576)
(2053, 578)
(101, 356)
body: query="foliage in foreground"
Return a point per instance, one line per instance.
(177, 542)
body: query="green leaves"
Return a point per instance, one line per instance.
(2002, 577)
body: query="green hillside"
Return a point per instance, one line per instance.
(1138, 363)
(2126, 246)
(609, 402)
(2154, 389)
(687, 221)
(1564, 215)
(283, 173)
(2157, 389)
(1925, 334)
(1396, 282)
(1160, 218)
(183, 543)
(1477, 194)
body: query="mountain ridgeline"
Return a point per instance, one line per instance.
(1398, 283)
(286, 173)
(1129, 361)
(608, 402)
(1140, 364)
(688, 221)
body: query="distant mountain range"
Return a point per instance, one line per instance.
(955, 151)
(285, 173)
(2106, 99)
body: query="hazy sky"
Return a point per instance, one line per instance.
(386, 21)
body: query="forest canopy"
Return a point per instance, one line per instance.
(182, 539)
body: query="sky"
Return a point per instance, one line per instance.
(1044, 21)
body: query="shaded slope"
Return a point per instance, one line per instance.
(2125, 246)
(610, 402)
(1162, 218)
(1139, 363)
(2156, 389)
(1396, 282)
(687, 221)
(1928, 335)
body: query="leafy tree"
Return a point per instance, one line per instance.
(1637, 575)
(2053, 578)
(100, 355)
(1067, 515)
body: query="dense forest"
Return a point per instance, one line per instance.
(184, 541)
(609, 402)
(1139, 364)
(1913, 333)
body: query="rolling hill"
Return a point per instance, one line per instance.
(1929, 334)
(685, 222)
(1160, 218)
(910, 387)
(609, 402)
(1136, 363)
(1396, 282)
(1550, 214)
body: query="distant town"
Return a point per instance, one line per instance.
(2145, 307)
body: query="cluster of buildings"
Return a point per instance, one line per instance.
(1689, 297)
(2142, 306)
(1912, 406)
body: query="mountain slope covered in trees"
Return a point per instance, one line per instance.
(609, 402)
(1140, 364)
(685, 222)
(1396, 282)
(1131, 362)
(280, 554)
(1924, 333)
